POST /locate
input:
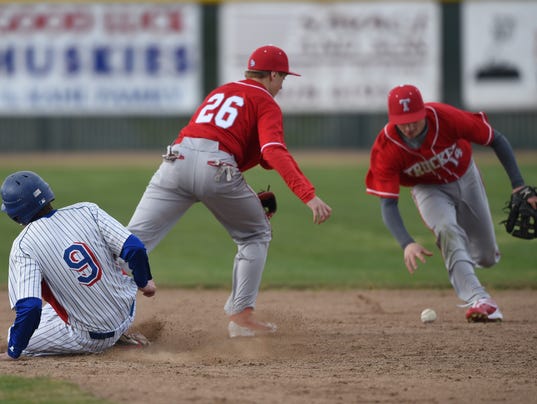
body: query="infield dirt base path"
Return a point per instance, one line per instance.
(332, 347)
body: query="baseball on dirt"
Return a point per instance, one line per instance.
(428, 316)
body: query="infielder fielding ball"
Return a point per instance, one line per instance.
(428, 316)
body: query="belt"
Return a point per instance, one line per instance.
(101, 335)
(221, 147)
(110, 334)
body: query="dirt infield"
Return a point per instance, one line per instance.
(332, 347)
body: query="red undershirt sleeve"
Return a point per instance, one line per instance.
(279, 159)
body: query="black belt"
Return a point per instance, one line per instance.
(101, 335)
(105, 335)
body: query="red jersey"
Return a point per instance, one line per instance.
(443, 157)
(246, 121)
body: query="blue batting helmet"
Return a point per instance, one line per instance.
(24, 194)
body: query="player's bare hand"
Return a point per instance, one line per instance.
(321, 211)
(150, 289)
(532, 200)
(5, 357)
(415, 251)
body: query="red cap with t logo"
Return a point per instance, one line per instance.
(269, 58)
(405, 105)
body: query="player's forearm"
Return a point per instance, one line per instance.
(394, 222)
(26, 321)
(280, 160)
(139, 264)
(503, 150)
(135, 256)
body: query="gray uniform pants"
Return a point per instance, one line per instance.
(459, 215)
(203, 173)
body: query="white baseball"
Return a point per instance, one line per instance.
(428, 316)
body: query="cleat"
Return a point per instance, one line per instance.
(236, 330)
(484, 311)
(134, 340)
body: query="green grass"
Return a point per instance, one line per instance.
(352, 249)
(42, 390)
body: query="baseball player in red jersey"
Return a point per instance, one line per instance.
(237, 126)
(68, 257)
(428, 147)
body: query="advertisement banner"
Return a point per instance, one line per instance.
(349, 54)
(499, 55)
(99, 58)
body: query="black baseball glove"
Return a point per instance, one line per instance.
(268, 200)
(521, 219)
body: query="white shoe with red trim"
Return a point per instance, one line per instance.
(484, 311)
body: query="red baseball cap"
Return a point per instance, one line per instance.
(405, 105)
(269, 58)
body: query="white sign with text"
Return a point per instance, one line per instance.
(349, 54)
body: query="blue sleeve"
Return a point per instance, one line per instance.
(135, 255)
(393, 221)
(26, 321)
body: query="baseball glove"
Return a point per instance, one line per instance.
(521, 219)
(268, 201)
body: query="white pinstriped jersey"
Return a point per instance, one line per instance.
(74, 251)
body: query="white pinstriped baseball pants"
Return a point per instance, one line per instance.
(55, 337)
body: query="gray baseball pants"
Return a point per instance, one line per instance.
(459, 215)
(203, 173)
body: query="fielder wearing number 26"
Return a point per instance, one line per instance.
(428, 147)
(238, 126)
(67, 257)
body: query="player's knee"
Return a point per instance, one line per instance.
(253, 250)
(449, 234)
(489, 259)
